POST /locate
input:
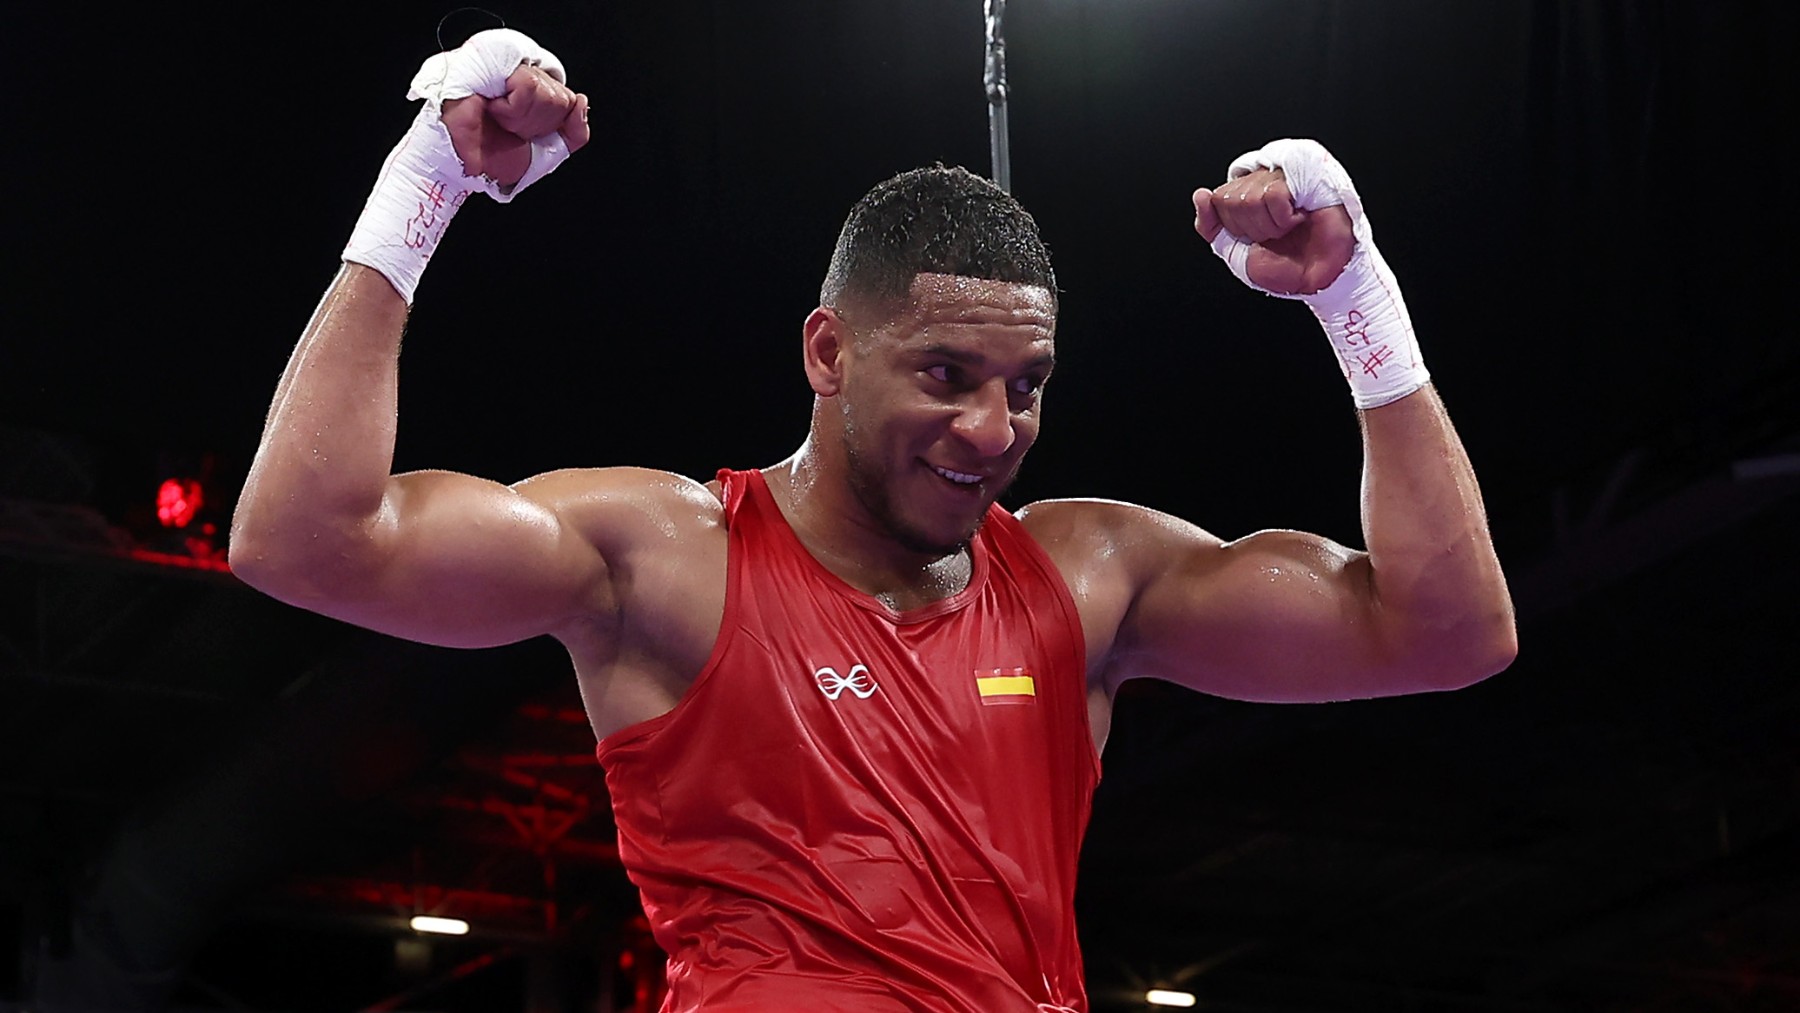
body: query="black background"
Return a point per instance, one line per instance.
(1588, 207)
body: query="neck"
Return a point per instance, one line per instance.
(812, 488)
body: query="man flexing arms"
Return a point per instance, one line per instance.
(849, 709)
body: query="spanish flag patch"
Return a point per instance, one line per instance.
(1005, 685)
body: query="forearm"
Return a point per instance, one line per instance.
(321, 471)
(1437, 581)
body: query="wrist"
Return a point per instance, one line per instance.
(420, 188)
(1362, 311)
(422, 184)
(1364, 316)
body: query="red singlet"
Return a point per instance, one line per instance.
(859, 810)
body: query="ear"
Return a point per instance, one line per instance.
(825, 339)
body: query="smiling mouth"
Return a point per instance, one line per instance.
(960, 479)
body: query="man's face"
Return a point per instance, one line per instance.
(940, 403)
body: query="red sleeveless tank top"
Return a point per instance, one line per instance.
(856, 809)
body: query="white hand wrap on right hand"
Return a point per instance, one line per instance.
(422, 183)
(1362, 311)
(480, 67)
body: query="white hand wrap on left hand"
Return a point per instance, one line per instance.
(1362, 311)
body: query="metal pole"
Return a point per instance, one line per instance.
(995, 79)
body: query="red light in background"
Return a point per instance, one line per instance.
(178, 500)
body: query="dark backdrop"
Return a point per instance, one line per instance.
(1586, 203)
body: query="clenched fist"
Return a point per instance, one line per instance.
(493, 136)
(1293, 252)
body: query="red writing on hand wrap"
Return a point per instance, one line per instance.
(1361, 311)
(427, 227)
(1359, 349)
(1372, 362)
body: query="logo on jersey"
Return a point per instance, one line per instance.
(859, 682)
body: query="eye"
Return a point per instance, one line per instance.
(942, 373)
(1028, 385)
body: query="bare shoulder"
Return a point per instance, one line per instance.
(662, 540)
(652, 620)
(623, 510)
(1168, 599)
(1081, 534)
(1140, 547)
(1107, 552)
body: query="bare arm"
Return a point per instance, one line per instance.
(432, 556)
(1439, 594)
(1287, 616)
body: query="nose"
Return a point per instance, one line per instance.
(985, 421)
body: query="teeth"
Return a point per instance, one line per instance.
(956, 476)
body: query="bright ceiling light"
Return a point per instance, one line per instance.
(451, 926)
(1164, 997)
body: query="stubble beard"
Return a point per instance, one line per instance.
(869, 483)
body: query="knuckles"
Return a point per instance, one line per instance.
(493, 136)
(1257, 207)
(1294, 252)
(535, 103)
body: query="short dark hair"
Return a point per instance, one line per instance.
(934, 220)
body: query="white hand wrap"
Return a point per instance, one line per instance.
(1362, 311)
(422, 183)
(480, 67)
